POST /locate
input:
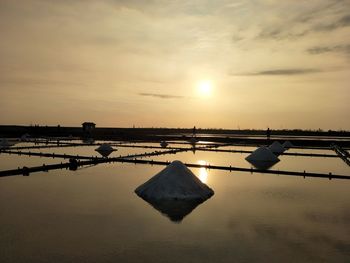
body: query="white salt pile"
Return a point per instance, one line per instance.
(262, 158)
(193, 140)
(25, 137)
(4, 143)
(276, 148)
(175, 182)
(89, 141)
(287, 145)
(164, 144)
(262, 154)
(105, 147)
(175, 191)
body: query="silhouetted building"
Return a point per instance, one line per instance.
(88, 126)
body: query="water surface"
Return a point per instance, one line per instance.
(93, 214)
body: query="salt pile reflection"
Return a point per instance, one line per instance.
(175, 210)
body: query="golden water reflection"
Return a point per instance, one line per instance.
(203, 174)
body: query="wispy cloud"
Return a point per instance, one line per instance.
(281, 72)
(161, 96)
(329, 16)
(327, 49)
(281, 33)
(341, 22)
(24, 82)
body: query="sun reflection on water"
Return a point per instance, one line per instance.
(203, 174)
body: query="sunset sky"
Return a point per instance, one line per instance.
(225, 64)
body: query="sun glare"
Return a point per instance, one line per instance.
(203, 174)
(205, 88)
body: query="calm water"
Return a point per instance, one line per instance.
(93, 214)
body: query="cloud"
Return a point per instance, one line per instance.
(161, 96)
(342, 22)
(46, 82)
(327, 49)
(281, 72)
(281, 33)
(329, 16)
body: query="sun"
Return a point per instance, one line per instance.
(205, 88)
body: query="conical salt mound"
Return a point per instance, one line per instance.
(175, 182)
(105, 149)
(25, 137)
(163, 144)
(262, 154)
(193, 140)
(262, 158)
(4, 143)
(175, 191)
(89, 141)
(276, 147)
(287, 145)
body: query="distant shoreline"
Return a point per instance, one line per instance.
(5, 129)
(248, 137)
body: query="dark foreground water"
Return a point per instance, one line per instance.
(93, 215)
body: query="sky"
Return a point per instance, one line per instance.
(282, 64)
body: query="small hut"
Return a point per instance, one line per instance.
(88, 129)
(88, 126)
